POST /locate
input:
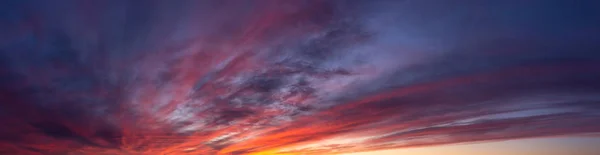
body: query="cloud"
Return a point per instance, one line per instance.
(313, 77)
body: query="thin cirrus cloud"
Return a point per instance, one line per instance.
(294, 77)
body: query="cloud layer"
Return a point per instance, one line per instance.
(292, 77)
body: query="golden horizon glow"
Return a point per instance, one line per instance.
(530, 146)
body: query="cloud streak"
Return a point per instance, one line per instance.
(297, 77)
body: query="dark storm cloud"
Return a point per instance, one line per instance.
(313, 77)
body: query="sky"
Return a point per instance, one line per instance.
(303, 77)
(536, 146)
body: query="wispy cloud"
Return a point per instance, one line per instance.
(229, 77)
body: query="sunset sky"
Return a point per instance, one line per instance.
(299, 77)
(537, 146)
